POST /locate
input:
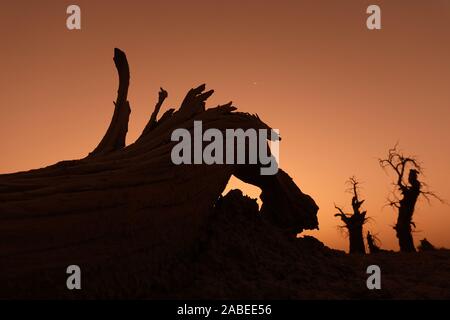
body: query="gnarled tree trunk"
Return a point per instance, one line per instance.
(354, 222)
(405, 213)
(120, 201)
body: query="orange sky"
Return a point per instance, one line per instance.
(340, 94)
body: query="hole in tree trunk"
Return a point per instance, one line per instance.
(246, 188)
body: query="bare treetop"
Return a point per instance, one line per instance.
(408, 190)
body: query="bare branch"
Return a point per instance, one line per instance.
(153, 119)
(341, 212)
(114, 138)
(428, 195)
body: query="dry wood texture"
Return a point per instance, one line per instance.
(124, 199)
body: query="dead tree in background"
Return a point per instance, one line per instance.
(425, 245)
(371, 243)
(405, 195)
(354, 222)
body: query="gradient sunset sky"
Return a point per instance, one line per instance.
(340, 95)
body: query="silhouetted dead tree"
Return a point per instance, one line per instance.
(371, 243)
(121, 201)
(405, 196)
(354, 222)
(425, 245)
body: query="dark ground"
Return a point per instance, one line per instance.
(248, 259)
(240, 256)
